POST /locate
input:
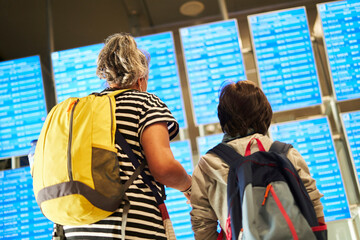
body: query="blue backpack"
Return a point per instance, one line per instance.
(266, 197)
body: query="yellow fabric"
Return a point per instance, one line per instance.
(72, 214)
(94, 125)
(49, 152)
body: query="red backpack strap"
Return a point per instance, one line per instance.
(228, 230)
(248, 147)
(221, 235)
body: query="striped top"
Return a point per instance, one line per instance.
(134, 112)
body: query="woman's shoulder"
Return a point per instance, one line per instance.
(144, 95)
(129, 93)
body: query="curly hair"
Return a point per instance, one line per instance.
(120, 62)
(243, 106)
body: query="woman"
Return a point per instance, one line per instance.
(148, 126)
(244, 113)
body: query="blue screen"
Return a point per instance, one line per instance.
(22, 105)
(20, 216)
(164, 80)
(179, 210)
(212, 55)
(207, 142)
(75, 72)
(341, 28)
(285, 59)
(351, 123)
(312, 138)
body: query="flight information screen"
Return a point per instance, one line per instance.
(20, 216)
(340, 23)
(285, 59)
(22, 105)
(313, 139)
(164, 80)
(351, 124)
(212, 55)
(179, 210)
(75, 72)
(205, 143)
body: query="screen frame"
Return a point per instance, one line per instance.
(312, 50)
(349, 148)
(56, 90)
(177, 71)
(195, 120)
(316, 117)
(43, 93)
(221, 135)
(327, 54)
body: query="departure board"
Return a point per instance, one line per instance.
(22, 105)
(313, 139)
(75, 72)
(20, 216)
(351, 124)
(206, 143)
(212, 56)
(285, 59)
(164, 80)
(179, 210)
(341, 23)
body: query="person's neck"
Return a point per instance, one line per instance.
(117, 87)
(228, 137)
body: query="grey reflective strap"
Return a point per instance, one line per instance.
(59, 232)
(133, 177)
(127, 149)
(126, 209)
(127, 184)
(75, 187)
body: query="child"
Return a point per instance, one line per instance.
(244, 113)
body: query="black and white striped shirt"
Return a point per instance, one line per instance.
(134, 112)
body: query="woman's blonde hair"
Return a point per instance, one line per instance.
(120, 62)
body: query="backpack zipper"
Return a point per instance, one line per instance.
(72, 108)
(266, 193)
(111, 114)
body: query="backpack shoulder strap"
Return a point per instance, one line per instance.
(227, 154)
(116, 92)
(129, 152)
(110, 94)
(280, 147)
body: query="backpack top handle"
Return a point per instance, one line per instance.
(248, 147)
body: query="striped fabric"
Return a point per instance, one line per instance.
(134, 112)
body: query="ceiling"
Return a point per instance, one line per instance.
(30, 27)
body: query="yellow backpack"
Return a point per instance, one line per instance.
(76, 171)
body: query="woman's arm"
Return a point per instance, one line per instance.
(162, 164)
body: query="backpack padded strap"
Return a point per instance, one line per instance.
(116, 92)
(127, 149)
(227, 154)
(139, 170)
(280, 147)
